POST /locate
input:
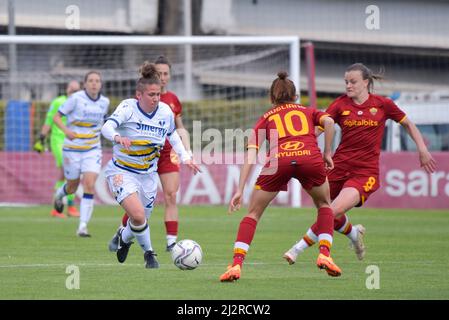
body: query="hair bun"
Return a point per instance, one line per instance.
(148, 70)
(282, 75)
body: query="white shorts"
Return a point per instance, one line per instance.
(76, 163)
(123, 183)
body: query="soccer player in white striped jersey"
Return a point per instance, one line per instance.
(85, 111)
(138, 128)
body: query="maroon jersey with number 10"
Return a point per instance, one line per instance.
(290, 131)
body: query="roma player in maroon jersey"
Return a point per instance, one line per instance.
(361, 116)
(168, 165)
(168, 169)
(294, 153)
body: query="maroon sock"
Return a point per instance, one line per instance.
(171, 228)
(245, 234)
(125, 219)
(325, 224)
(340, 222)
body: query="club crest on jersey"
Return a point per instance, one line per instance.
(117, 180)
(161, 123)
(292, 145)
(359, 112)
(373, 111)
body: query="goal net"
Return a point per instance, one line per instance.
(222, 83)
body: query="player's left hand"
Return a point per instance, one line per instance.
(192, 166)
(235, 203)
(427, 162)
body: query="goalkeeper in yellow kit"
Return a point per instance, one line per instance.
(56, 142)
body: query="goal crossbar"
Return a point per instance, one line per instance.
(292, 41)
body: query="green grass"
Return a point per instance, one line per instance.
(410, 248)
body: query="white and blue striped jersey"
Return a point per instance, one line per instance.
(147, 132)
(85, 117)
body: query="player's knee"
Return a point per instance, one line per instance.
(170, 197)
(89, 187)
(138, 218)
(70, 188)
(338, 210)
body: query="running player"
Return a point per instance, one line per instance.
(361, 116)
(139, 128)
(56, 143)
(294, 153)
(85, 111)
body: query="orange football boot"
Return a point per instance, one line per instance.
(232, 274)
(56, 214)
(328, 264)
(73, 212)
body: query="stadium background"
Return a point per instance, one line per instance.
(224, 87)
(228, 90)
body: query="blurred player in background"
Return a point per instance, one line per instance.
(56, 144)
(294, 153)
(85, 111)
(361, 116)
(139, 128)
(168, 168)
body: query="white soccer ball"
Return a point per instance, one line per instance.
(187, 254)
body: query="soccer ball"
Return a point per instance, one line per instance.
(187, 254)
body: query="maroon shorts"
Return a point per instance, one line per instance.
(168, 162)
(309, 175)
(366, 185)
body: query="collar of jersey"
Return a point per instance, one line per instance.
(94, 100)
(151, 115)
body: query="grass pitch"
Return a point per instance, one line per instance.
(409, 248)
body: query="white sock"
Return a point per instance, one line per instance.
(142, 234)
(171, 239)
(353, 234)
(127, 234)
(61, 193)
(86, 208)
(301, 245)
(82, 225)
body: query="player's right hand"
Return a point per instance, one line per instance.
(235, 203)
(70, 135)
(124, 141)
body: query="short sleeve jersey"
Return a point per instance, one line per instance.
(85, 117)
(173, 102)
(362, 128)
(147, 132)
(290, 132)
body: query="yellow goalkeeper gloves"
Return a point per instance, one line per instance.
(39, 146)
